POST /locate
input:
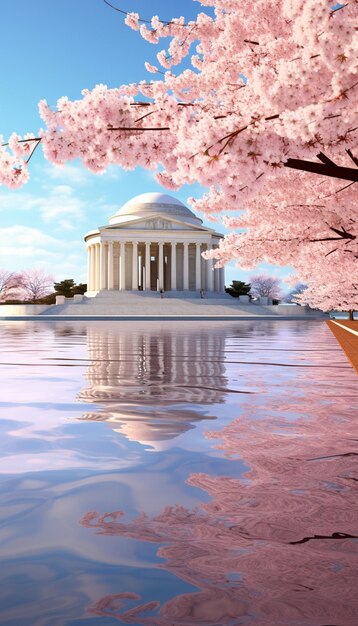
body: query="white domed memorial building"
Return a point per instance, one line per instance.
(154, 242)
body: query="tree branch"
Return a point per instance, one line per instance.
(339, 190)
(330, 239)
(351, 155)
(343, 234)
(130, 128)
(338, 8)
(34, 148)
(322, 157)
(230, 137)
(25, 141)
(143, 116)
(327, 168)
(126, 13)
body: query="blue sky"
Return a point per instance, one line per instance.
(50, 49)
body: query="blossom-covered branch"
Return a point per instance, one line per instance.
(267, 86)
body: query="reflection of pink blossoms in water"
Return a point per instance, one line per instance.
(204, 607)
(288, 529)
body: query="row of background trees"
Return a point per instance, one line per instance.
(35, 286)
(264, 285)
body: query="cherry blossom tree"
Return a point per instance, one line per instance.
(36, 284)
(265, 285)
(334, 295)
(321, 243)
(8, 283)
(271, 85)
(294, 292)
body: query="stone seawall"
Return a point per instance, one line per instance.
(16, 310)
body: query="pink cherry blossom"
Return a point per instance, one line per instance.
(150, 68)
(269, 82)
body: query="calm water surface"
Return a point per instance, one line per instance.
(167, 474)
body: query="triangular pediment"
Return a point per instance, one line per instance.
(156, 222)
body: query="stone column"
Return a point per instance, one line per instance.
(173, 277)
(209, 272)
(197, 267)
(147, 266)
(102, 280)
(161, 265)
(119, 264)
(89, 277)
(135, 266)
(222, 279)
(215, 280)
(88, 268)
(94, 275)
(216, 273)
(186, 266)
(93, 268)
(218, 281)
(98, 267)
(110, 265)
(122, 265)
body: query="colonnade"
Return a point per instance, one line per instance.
(148, 266)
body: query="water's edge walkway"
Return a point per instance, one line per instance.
(174, 318)
(346, 333)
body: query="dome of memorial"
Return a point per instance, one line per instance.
(148, 204)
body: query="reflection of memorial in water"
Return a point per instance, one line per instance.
(277, 545)
(153, 384)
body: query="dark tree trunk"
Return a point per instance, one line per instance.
(350, 313)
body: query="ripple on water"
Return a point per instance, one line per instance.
(187, 474)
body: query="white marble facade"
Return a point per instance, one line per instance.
(153, 242)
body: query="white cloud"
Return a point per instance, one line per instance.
(105, 209)
(70, 174)
(63, 207)
(17, 201)
(113, 172)
(22, 247)
(60, 205)
(77, 174)
(24, 236)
